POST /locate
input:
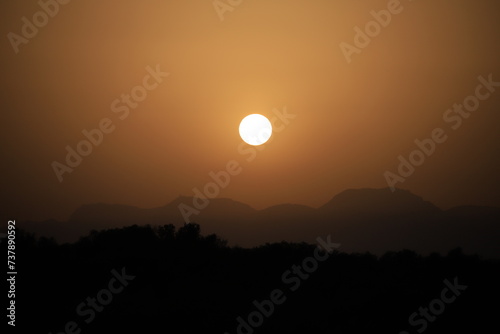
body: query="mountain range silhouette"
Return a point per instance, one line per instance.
(361, 220)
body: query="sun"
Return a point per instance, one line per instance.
(255, 129)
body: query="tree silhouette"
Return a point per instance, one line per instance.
(186, 282)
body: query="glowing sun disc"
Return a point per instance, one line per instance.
(255, 129)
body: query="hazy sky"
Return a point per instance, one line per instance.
(352, 119)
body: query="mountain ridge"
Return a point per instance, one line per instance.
(366, 219)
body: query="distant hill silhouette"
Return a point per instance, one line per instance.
(379, 201)
(374, 220)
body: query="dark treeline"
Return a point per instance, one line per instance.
(179, 281)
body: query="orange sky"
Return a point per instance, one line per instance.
(352, 120)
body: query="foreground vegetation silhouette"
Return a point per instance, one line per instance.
(184, 282)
